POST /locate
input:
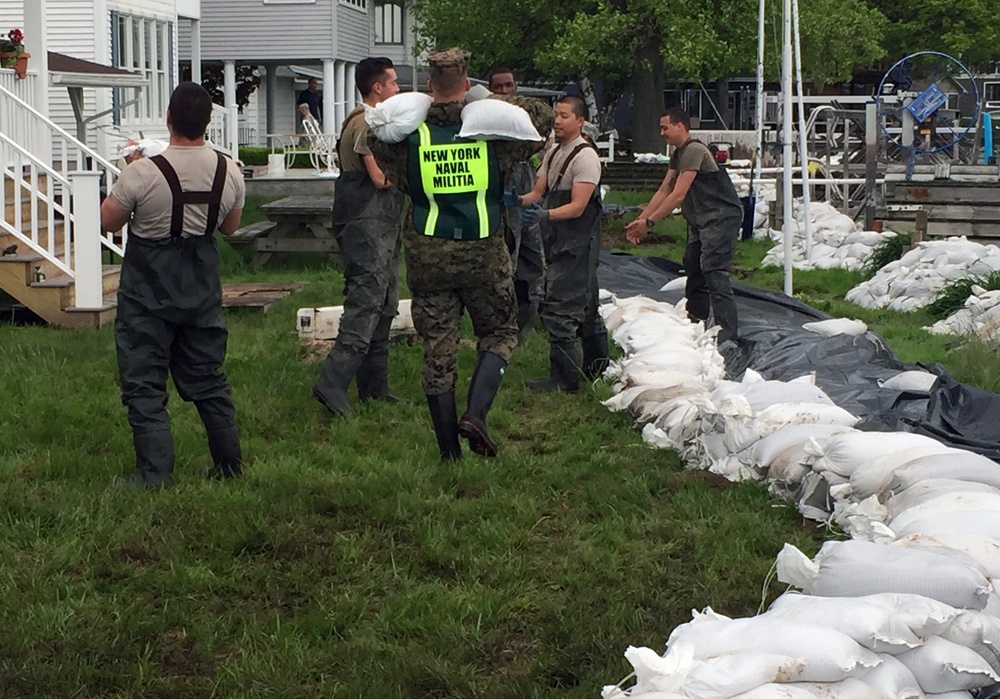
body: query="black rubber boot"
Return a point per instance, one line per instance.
(373, 374)
(596, 354)
(565, 359)
(444, 416)
(154, 459)
(339, 368)
(227, 457)
(486, 380)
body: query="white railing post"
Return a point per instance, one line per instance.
(234, 132)
(89, 289)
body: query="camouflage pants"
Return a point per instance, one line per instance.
(437, 317)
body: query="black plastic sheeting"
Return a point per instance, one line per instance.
(848, 368)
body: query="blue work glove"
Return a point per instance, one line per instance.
(511, 198)
(536, 214)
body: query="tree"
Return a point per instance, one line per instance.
(635, 44)
(969, 30)
(213, 80)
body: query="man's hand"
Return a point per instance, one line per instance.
(636, 231)
(536, 214)
(511, 198)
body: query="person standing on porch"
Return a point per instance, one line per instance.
(312, 99)
(170, 294)
(366, 223)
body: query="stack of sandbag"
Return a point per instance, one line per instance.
(980, 316)
(836, 241)
(671, 379)
(915, 280)
(906, 608)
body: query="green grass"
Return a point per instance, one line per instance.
(350, 562)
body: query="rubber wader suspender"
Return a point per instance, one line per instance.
(565, 166)
(213, 198)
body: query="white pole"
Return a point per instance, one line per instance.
(786, 137)
(229, 77)
(196, 51)
(88, 277)
(758, 152)
(803, 149)
(330, 123)
(341, 93)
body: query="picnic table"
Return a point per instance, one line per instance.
(294, 224)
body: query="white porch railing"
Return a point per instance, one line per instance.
(56, 190)
(224, 130)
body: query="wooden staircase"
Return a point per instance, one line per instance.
(37, 283)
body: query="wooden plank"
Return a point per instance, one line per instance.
(298, 205)
(938, 229)
(254, 230)
(951, 212)
(256, 295)
(295, 245)
(951, 193)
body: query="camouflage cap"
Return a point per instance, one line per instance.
(453, 61)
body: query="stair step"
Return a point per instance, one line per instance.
(9, 184)
(64, 280)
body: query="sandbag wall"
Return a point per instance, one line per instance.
(905, 608)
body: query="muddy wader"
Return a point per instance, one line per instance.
(170, 320)
(366, 224)
(578, 340)
(714, 215)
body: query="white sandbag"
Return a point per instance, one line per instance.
(777, 691)
(984, 552)
(875, 475)
(958, 465)
(911, 381)
(943, 666)
(893, 679)
(728, 675)
(494, 119)
(926, 617)
(948, 502)
(899, 500)
(836, 326)
(829, 655)
(675, 284)
(392, 120)
(770, 447)
(961, 694)
(871, 625)
(847, 689)
(978, 632)
(845, 452)
(983, 523)
(856, 568)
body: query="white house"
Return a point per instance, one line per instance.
(291, 41)
(99, 71)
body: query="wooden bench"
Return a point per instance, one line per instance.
(296, 224)
(245, 237)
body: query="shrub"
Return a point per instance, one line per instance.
(953, 297)
(890, 250)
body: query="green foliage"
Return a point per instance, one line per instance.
(889, 250)
(838, 37)
(969, 30)
(254, 155)
(953, 297)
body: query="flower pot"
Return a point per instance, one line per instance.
(20, 66)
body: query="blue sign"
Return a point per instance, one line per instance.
(927, 102)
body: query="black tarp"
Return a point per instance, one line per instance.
(848, 368)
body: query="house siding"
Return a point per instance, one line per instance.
(251, 31)
(354, 33)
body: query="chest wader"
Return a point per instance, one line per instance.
(569, 307)
(366, 224)
(529, 264)
(169, 319)
(714, 214)
(456, 189)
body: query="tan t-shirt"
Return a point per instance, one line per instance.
(585, 166)
(142, 189)
(354, 142)
(696, 156)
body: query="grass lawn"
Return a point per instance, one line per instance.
(350, 562)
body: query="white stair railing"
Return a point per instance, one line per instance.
(41, 184)
(223, 131)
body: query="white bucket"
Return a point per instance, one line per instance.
(276, 165)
